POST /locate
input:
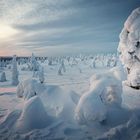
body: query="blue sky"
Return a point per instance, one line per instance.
(60, 27)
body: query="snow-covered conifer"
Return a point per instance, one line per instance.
(34, 64)
(41, 75)
(3, 77)
(15, 80)
(62, 67)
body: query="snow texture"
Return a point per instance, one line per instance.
(126, 131)
(129, 47)
(59, 102)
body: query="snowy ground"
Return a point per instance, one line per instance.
(55, 94)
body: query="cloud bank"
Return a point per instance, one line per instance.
(59, 27)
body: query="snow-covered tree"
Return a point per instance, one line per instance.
(3, 77)
(62, 67)
(15, 80)
(50, 61)
(105, 92)
(60, 71)
(129, 48)
(2, 63)
(41, 75)
(114, 60)
(34, 64)
(27, 89)
(94, 62)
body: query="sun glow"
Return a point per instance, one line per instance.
(6, 31)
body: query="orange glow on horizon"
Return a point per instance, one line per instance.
(14, 51)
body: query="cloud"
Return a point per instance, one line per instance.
(55, 25)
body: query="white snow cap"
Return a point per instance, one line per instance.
(130, 34)
(133, 21)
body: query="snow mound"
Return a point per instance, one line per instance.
(110, 85)
(10, 119)
(105, 90)
(29, 88)
(33, 116)
(90, 108)
(59, 102)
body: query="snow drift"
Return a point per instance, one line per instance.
(34, 116)
(126, 131)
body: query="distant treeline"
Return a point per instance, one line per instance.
(5, 58)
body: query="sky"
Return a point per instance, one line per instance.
(62, 27)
